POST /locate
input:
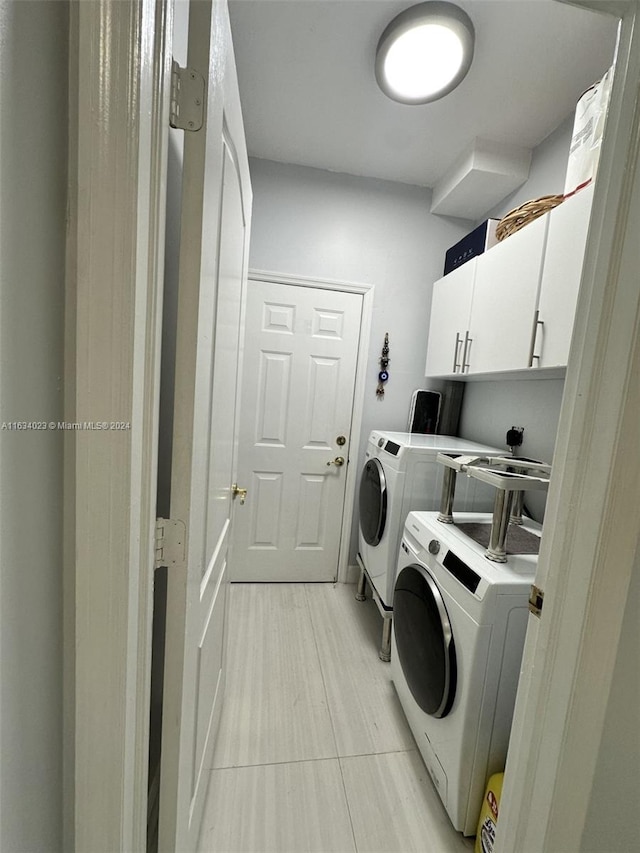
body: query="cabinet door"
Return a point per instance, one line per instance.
(505, 297)
(561, 274)
(450, 311)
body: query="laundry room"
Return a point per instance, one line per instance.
(358, 200)
(341, 193)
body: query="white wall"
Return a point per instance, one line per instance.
(310, 222)
(33, 184)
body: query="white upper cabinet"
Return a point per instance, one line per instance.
(505, 297)
(561, 274)
(512, 308)
(450, 318)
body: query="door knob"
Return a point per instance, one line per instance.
(238, 493)
(338, 461)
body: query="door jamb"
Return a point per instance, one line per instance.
(367, 292)
(587, 556)
(118, 134)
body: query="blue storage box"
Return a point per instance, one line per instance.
(478, 241)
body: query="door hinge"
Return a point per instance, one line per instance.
(171, 543)
(186, 110)
(536, 600)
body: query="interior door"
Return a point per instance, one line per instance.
(215, 215)
(301, 350)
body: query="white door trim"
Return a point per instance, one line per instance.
(367, 292)
(587, 555)
(118, 132)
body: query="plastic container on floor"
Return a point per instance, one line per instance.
(486, 837)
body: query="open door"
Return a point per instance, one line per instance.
(215, 216)
(576, 714)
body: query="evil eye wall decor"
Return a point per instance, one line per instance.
(384, 363)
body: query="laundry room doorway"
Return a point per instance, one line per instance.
(301, 407)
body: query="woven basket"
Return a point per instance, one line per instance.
(527, 212)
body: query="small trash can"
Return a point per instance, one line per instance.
(486, 835)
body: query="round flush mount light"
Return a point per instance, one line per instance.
(424, 53)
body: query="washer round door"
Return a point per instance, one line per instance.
(424, 640)
(373, 502)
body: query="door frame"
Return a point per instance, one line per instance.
(366, 291)
(119, 86)
(588, 556)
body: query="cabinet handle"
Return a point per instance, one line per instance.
(456, 366)
(467, 341)
(534, 333)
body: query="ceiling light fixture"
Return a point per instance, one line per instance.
(424, 53)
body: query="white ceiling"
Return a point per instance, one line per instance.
(309, 94)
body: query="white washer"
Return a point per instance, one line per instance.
(459, 629)
(401, 474)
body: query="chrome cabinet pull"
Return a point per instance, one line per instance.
(467, 344)
(534, 333)
(456, 366)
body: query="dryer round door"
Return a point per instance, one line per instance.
(373, 502)
(424, 640)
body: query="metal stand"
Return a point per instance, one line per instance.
(385, 649)
(511, 478)
(362, 587)
(497, 550)
(448, 494)
(516, 511)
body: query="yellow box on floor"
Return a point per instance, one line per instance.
(485, 839)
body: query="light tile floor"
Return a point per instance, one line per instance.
(314, 753)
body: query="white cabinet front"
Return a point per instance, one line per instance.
(449, 326)
(513, 307)
(505, 297)
(566, 244)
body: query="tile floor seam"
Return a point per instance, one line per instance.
(381, 752)
(348, 805)
(277, 763)
(333, 728)
(319, 657)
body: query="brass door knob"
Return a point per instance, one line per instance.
(238, 493)
(338, 461)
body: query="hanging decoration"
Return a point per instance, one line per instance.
(384, 363)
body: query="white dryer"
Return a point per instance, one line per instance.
(459, 629)
(401, 474)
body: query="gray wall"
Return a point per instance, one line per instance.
(33, 185)
(310, 222)
(547, 172)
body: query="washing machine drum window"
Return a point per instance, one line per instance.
(373, 502)
(424, 640)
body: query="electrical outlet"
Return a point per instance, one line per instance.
(514, 436)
